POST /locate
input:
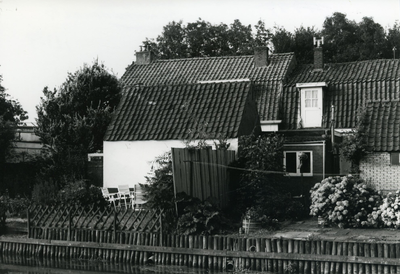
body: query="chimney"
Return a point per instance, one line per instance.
(261, 57)
(144, 57)
(318, 54)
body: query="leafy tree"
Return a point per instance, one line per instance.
(282, 40)
(263, 35)
(393, 42)
(372, 39)
(341, 38)
(11, 115)
(73, 119)
(303, 44)
(203, 39)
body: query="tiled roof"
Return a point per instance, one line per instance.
(350, 86)
(268, 80)
(383, 126)
(192, 70)
(170, 112)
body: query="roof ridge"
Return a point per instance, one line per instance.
(233, 81)
(220, 57)
(354, 62)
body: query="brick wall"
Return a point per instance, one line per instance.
(376, 168)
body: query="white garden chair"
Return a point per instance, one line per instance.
(124, 194)
(111, 198)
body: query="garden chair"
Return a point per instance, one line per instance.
(111, 198)
(138, 196)
(124, 194)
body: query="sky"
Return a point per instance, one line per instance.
(41, 41)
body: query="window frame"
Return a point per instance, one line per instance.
(298, 173)
(395, 158)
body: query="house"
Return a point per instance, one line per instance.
(320, 103)
(26, 145)
(381, 166)
(150, 120)
(164, 100)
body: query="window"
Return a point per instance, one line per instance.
(395, 158)
(298, 163)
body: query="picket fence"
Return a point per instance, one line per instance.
(277, 255)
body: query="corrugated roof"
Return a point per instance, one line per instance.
(383, 128)
(350, 86)
(173, 111)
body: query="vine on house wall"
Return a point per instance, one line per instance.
(354, 145)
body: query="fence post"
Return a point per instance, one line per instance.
(115, 227)
(161, 228)
(28, 215)
(69, 225)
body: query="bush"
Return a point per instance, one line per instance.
(344, 201)
(45, 193)
(388, 213)
(201, 218)
(82, 194)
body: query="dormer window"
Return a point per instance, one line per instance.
(311, 106)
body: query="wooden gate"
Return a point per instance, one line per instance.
(202, 173)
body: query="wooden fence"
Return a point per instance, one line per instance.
(202, 173)
(222, 253)
(84, 224)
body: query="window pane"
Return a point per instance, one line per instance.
(315, 93)
(308, 94)
(306, 163)
(315, 103)
(291, 159)
(308, 103)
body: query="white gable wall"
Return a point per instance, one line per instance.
(128, 162)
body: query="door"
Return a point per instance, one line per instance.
(311, 107)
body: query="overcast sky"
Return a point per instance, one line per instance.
(43, 40)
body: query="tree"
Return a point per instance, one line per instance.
(393, 42)
(303, 44)
(72, 120)
(341, 38)
(203, 39)
(372, 39)
(282, 40)
(11, 115)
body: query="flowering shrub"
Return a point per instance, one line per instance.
(344, 201)
(388, 213)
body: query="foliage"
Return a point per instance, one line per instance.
(202, 39)
(344, 201)
(72, 120)
(159, 190)
(388, 213)
(201, 218)
(45, 192)
(15, 207)
(261, 158)
(11, 115)
(82, 194)
(354, 145)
